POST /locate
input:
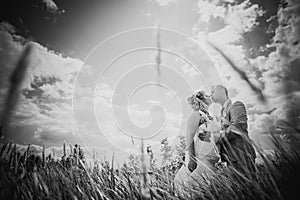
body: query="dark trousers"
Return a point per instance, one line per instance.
(245, 165)
(238, 154)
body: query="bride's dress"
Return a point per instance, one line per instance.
(206, 154)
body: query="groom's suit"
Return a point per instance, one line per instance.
(236, 148)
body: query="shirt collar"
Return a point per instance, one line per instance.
(226, 103)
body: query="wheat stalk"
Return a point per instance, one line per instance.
(16, 79)
(241, 73)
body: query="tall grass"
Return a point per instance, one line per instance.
(16, 79)
(29, 176)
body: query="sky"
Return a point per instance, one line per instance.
(93, 76)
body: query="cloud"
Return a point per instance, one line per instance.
(51, 5)
(227, 34)
(276, 72)
(91, 108)
(46, 98)
(189, 71)
(164, 2)
(279, 71)
(45, 101)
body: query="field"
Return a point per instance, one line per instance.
(28, 176)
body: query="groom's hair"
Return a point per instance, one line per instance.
(223, 88)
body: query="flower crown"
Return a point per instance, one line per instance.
(197, 104)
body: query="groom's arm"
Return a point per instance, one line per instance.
(238, 121)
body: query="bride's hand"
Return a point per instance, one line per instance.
(202, 135)
(202, 131)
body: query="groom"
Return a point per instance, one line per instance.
(235, 145)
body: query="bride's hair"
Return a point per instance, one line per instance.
(197, 102)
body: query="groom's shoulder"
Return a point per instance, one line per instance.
(238, 111)
(238, 104)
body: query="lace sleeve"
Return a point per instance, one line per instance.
(202, 120)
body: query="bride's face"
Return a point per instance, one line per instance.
(207, 99)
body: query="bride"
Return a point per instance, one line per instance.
(202, 152)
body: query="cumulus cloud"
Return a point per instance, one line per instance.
(276, 73)
(164, 2)
(45, 100)
(279, 71)
(131, 118)
(51, 5)
(232, 22)
(47, 92)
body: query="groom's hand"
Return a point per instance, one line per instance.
(192, 164)
(225, 132)
(228, 129)
(225, 123)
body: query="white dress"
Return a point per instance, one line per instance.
(206, 155)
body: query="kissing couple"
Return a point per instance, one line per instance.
(212, 141)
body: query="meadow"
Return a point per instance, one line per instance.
(30, 176)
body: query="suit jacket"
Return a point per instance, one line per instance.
(236, 143)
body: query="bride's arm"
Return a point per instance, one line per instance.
(192, 125)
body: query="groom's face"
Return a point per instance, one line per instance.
(216, 94)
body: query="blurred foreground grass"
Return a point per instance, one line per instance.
(28, 176)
